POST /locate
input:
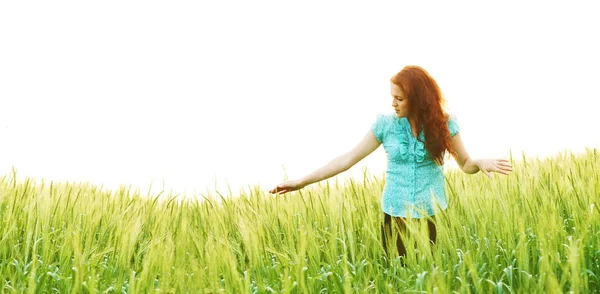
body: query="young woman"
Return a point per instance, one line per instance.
(416, 138)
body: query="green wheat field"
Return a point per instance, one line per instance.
(534, 231)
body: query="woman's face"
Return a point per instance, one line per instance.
(399, 102)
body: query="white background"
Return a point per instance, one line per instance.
(187, 95)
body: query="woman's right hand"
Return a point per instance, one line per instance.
(287, 186)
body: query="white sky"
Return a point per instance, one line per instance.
(189, 92)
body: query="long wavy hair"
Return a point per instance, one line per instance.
(426, 107)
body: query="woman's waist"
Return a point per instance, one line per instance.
(401, 187)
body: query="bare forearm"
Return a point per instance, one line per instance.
(334, 167)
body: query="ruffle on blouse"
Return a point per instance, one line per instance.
(420, 151)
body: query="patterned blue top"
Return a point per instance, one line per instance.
(413, 181)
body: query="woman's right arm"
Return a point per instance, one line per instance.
(340, 164)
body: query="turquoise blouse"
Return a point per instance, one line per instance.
(414, 183)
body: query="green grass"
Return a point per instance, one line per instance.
(535, 231)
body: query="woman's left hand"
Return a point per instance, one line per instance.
(487, 166)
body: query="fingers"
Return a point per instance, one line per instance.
(276, 190)
(504, 163)
(279, 190)
(501, 166)
(501, 171)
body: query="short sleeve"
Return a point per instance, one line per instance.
(453, 126)
(377, 128)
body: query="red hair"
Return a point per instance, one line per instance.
(425, 107)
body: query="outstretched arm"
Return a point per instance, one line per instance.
(472, 166)
(341, 163)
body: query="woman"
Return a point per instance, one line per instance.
(415, 139)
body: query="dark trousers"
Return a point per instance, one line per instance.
(393, 226)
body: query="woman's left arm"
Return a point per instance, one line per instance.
(472, 166)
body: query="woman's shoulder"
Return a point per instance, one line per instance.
(451, 117)
(386, 117)
(453, 125)
(382, 125)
